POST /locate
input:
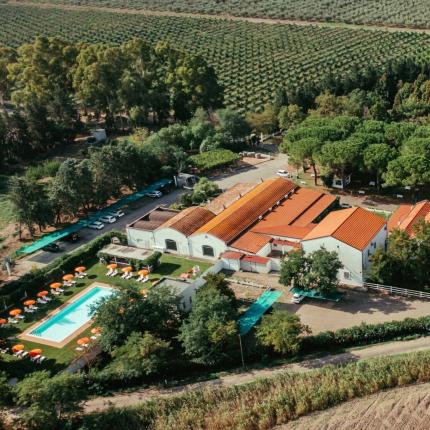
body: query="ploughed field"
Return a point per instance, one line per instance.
(409, 13)
(251, 60)
(406, 408)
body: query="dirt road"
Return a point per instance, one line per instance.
(221, 16)
(136, 397)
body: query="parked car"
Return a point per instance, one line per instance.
(155, 194)
(72, 237)
(283, 173)
(345, 205)
(109, 219)
(297, 298)
(96, 225)
(117, 214)
(51, 247)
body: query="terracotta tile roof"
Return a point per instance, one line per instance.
(355, 227)
(286, 243)
(189, 220)
(251, 242)
(227, 198)
(406, 216)
(255, 259)
(244, 212)
(294, 216)
(231, 255)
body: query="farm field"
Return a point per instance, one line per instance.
(412, 13)
(400, 408)
(251, 60)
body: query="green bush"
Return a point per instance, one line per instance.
(365, 334)
(46, 169)
(213, 159)
(31, 282)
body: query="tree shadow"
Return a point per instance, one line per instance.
(167, 268)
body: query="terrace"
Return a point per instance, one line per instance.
(57, 357)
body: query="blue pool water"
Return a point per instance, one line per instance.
(72, 317)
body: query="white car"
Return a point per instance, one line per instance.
(297, 298)
(108, 219)
(155, 194)
(96, 225)
(117, 214)
(283, 173)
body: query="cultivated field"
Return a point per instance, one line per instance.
(413, 13)
(401, 408)
(252, 60)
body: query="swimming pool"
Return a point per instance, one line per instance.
(64, 323)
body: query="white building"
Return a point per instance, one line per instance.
(354, 234)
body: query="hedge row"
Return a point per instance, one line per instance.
(366, 334)
(214, 159)
(31, 282)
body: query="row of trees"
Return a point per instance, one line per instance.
(51, 83)
(395, 153)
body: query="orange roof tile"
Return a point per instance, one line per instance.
(224, 200)
(406, 216)
(294, 216)
(231, 255)
(189, 220)
(355, 227)
(244, 212)
(251, 242)
(255, 259)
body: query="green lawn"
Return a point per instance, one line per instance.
(58, 358)
(6, 213)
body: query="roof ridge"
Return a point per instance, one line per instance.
(313, 202)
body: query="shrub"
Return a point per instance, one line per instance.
(48, 168)
(213, 159)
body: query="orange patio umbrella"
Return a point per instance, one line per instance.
(18, 347)
(112, 266)
(143, 272)
(143, 291)
(3, 321)
(83, 341)
(96, 330)
(68, 277)
(80, 269)
(29, 302)
(35, 352)
(15, 312)
(42, 293)
(55, 285)
(127, 269)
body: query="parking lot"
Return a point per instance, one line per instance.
(355, 308)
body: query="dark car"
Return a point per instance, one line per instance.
(52, 247)
(72, 237)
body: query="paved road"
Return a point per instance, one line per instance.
(253, 174)
(133, 398)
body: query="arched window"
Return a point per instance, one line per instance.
(208, 251)
(171, 245)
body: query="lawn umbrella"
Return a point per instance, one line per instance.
(15, 312)
(3, 321)
(55, 285)
(143, 272)
(29, 302)
(80, 269)
(35, 352)
(42, 293)
(18, 347)
(112, 266)
(96, 330)
(68, 277)
(127, 269)
(83, 341)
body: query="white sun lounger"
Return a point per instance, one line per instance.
(114, 273)
(18, 353)
(48, 299)
(42, 302)
(21, 317)
(41, 359)
(35, 358)
(33, 307)
(12, 321)
(28, 310)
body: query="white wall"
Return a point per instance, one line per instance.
(197, 241)
(265, 250)
(140, 238)
(169, 233)
(231, 264)
(379, 241)
(351, 258)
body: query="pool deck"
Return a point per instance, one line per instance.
(25, 335)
